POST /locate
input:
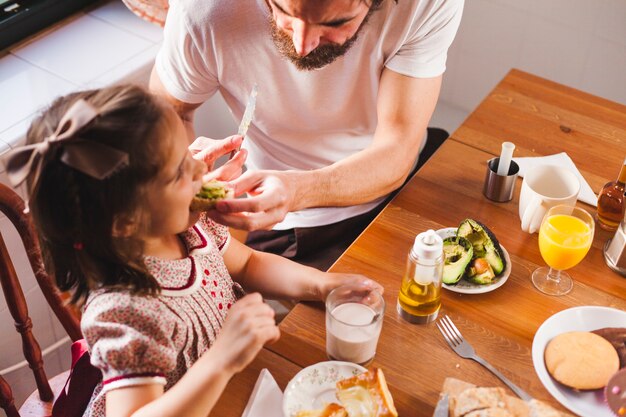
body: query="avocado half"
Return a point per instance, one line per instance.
(457, 253)
(484, 243)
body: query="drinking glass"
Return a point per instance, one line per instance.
(565, 237)
(354, 317)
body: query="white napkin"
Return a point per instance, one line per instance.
(586, 194)
(266, 399)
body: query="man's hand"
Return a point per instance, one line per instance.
(271, 195)
(209, 150)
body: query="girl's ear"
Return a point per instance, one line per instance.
(124, 226)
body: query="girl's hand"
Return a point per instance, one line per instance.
(248, 327)
(334, 280)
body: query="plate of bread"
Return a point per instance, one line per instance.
(338, 389)
(577, 353)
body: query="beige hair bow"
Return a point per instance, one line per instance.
(91, 158)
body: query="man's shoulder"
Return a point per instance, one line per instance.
(201, 12)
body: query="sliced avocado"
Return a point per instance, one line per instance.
(212, 190)
(480, 272)
(457, 253)
(484, 243)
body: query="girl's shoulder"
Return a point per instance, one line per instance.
(205, 230)
(111, 302)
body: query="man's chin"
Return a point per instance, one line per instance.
(318, 58)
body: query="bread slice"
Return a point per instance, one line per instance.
(461, 393)
(210, 193)
(331, 410)
(366, 395)
(479, 398)
(490, 412)
(541, 409)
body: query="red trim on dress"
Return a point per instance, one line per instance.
(190, 280)
(137, 375)
(203, 241)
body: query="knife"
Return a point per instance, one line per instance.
(442, 406)
(248, 114)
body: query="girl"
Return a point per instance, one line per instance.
(110, 182)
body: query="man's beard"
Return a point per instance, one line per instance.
(317, 58)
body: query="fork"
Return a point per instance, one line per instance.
(455, 339)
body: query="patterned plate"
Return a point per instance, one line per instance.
(314, 386)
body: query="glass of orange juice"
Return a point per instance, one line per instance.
(565, 237)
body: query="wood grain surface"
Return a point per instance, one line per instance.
(541, 118)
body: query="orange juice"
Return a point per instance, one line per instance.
(564, 241)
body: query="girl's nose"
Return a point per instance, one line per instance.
(305, 37)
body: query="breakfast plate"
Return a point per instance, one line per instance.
(466, 287)
(314, 386)
(586, 318)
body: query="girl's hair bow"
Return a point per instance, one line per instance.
(91, 158)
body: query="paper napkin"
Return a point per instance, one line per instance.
(266, 399)
(586, 194)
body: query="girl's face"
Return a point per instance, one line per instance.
(168, 197)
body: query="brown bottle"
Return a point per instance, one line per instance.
(611, 202)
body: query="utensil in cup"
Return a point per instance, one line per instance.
(498, 187)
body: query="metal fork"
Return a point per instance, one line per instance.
(455, 339)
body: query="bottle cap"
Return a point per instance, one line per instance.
(428, 245)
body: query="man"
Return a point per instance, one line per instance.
(346, 90)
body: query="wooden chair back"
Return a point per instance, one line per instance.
(12, 205)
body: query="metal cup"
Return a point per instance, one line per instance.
(500, 188)
(615, 250)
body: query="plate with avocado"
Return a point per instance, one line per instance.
(475, 262)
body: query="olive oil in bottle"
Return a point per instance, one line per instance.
(419, 299)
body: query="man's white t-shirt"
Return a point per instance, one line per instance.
(304, 120)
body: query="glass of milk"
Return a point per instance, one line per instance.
(354, 317)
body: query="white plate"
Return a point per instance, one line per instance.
(314, 386)
(587, 318)
(466, 287)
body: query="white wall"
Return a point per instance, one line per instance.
(579, 43)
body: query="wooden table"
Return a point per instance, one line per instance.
(542, 118)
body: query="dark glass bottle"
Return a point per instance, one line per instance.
(611, 202)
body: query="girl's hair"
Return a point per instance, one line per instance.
(75, 213)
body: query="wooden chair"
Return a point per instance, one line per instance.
(40, 402)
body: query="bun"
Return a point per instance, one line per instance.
(331, 410)
(366, 395)
(210, 193)
(581, 360)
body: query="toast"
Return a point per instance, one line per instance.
(210, 193)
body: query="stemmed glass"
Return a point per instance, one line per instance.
(565, 237)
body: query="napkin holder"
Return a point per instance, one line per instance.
(615, 251)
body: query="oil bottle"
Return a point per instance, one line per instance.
(419, 299)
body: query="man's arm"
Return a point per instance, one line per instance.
(404, 108)
(186, 111)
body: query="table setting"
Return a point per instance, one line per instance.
(427, 351)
